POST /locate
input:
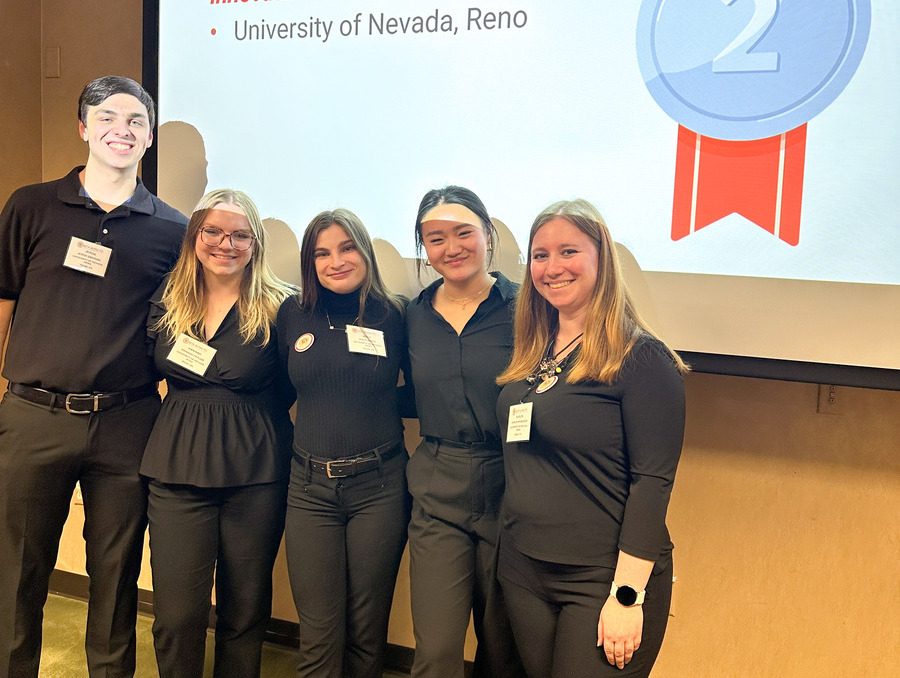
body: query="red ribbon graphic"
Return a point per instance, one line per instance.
(761, 180)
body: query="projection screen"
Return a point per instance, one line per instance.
(741, 151)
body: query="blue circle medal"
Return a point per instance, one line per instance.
(742, 78)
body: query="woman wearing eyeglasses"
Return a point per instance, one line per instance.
(218, 456)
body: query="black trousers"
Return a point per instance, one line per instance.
(195, 532)
(344, 540)
(453, 538)
(43, 453)
(555, 609)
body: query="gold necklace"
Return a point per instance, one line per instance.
(464, 301)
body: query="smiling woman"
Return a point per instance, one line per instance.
(224, 243)
(460, 337)
(217, 458)
(343, 347)
(339, 265)
(564, 267)
(593, 413)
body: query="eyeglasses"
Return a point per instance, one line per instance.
(240, 240)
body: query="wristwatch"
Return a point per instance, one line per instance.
(626, 595)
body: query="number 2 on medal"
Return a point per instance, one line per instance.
(737, 57)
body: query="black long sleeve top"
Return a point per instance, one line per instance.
(347, 403)
(227, 427)
(597, 473)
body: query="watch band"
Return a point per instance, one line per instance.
(626, 595)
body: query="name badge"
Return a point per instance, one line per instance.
(192, 355)
(365, 340)
(518, 430)
(87, 257)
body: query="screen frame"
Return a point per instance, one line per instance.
(708, 363)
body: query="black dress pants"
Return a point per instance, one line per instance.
(195, 532)
(344, 540)
(452, 562)
(555, 608)
(43, 453)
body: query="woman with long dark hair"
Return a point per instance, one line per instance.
(343, 345)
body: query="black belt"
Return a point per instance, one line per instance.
(82, 403)
(476, 445)
(486, 448)
(345, 468)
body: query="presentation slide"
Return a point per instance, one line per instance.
(742, 152)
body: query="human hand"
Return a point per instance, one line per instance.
(619, 631)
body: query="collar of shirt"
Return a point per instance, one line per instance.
(504, 287)
(72, 192)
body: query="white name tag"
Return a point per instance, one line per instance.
(518, 429)
(87, 257)
(365, 340)
(192, 355)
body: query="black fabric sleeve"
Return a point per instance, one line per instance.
(155, 313)
(653, 418)
(406, 393)
(283, 386)
(282, 333)
(13, 251)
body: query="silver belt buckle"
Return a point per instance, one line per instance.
(339, 472)
(95, 398)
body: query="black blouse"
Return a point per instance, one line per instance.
(228, 427)
(454, 374)
(596, 475)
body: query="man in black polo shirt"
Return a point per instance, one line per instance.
(79, 259)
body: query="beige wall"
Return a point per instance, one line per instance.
(784, 520)
(786, 532)
(94, 38)
(20, 95)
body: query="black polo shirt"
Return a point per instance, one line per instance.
(74, 332)
(454, 375)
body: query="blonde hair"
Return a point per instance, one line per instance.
(612, 324)
(261, 290)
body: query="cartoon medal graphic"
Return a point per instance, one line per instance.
(742, 78)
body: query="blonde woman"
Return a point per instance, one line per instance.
(218, 456)
(592, 413)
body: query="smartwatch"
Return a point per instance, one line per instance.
(626, 595)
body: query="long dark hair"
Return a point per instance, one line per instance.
(372, 285)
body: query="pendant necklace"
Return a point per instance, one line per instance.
(339, 329)
(462, 302)
(549, 366)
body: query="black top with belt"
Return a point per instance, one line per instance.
(347, 403)
(74, 332)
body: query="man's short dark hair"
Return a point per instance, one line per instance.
(99, 90)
